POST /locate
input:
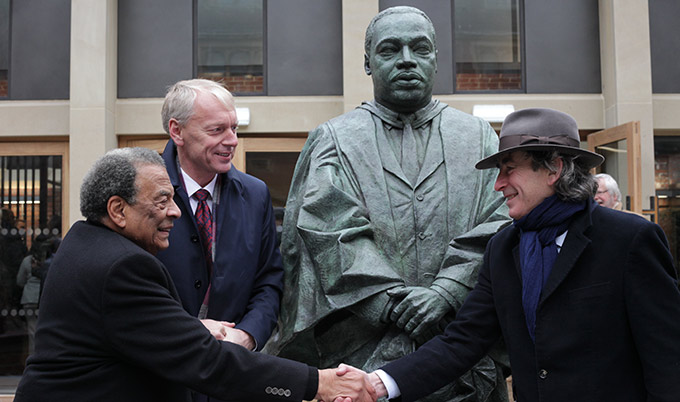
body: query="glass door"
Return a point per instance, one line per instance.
(667, 183)
(33, 212)
(620, 146)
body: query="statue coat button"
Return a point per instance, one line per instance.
(543, 374)
(198, 284)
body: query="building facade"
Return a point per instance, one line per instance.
(80, 77)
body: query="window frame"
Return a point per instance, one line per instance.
(265, 90)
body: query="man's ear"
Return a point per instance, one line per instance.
(175, 131)
(557, 163)
(367, 66)
(115, 208)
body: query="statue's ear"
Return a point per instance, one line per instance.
(367, 66)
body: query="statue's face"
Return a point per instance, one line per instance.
(402, 62)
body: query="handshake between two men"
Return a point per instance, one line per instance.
(349, 384)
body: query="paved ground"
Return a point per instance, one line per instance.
(7, 386)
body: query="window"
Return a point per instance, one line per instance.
(667, 182)
(4, 48)
(487, 45)
(33, 204)
(230, 44)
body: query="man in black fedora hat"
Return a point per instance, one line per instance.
(585, 297)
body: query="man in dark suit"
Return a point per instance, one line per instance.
(585, 297)
(111, 327)
(235, 274)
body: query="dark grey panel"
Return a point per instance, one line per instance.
(4, 34)
(562, 46)
(665, 45)
(304, 47)
(440, 13)
(40, 50)
(155, 46)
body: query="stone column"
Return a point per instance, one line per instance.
(357, 86)
(94, 30)
(627, 76)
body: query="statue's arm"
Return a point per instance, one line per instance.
(464, 254)
(337, 235)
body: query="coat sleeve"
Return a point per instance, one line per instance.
(653, 305)
(264, 302)
(446, 357)
(147, 326)
(330, 254)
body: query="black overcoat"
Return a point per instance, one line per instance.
(607, 327)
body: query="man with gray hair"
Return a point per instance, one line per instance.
(111, 326)
(223, 255)
(608, 193)
(387, 219)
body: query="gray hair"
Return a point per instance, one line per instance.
(575, 182)
(179, 101)
(114, 174)
(612, 185)
(370, 30)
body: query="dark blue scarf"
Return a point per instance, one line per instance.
(538, 250)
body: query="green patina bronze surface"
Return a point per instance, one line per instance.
(387, 219)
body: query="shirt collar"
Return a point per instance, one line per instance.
(192, 186)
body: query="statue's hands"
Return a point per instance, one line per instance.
(345, 384)
(419, 310)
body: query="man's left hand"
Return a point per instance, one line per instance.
(418, 310)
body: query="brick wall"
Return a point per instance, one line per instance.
(241, 83)
(477, 81)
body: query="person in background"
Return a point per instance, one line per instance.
(28, 279)
(111, 326)
(608, 193)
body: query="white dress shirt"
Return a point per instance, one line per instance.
(191, 186)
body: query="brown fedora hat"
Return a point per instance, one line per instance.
(540, 129)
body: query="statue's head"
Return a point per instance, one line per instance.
(401, 58)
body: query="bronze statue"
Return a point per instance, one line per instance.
(387, 218)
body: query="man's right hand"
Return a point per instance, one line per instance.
(218, 329)
(345, 384)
